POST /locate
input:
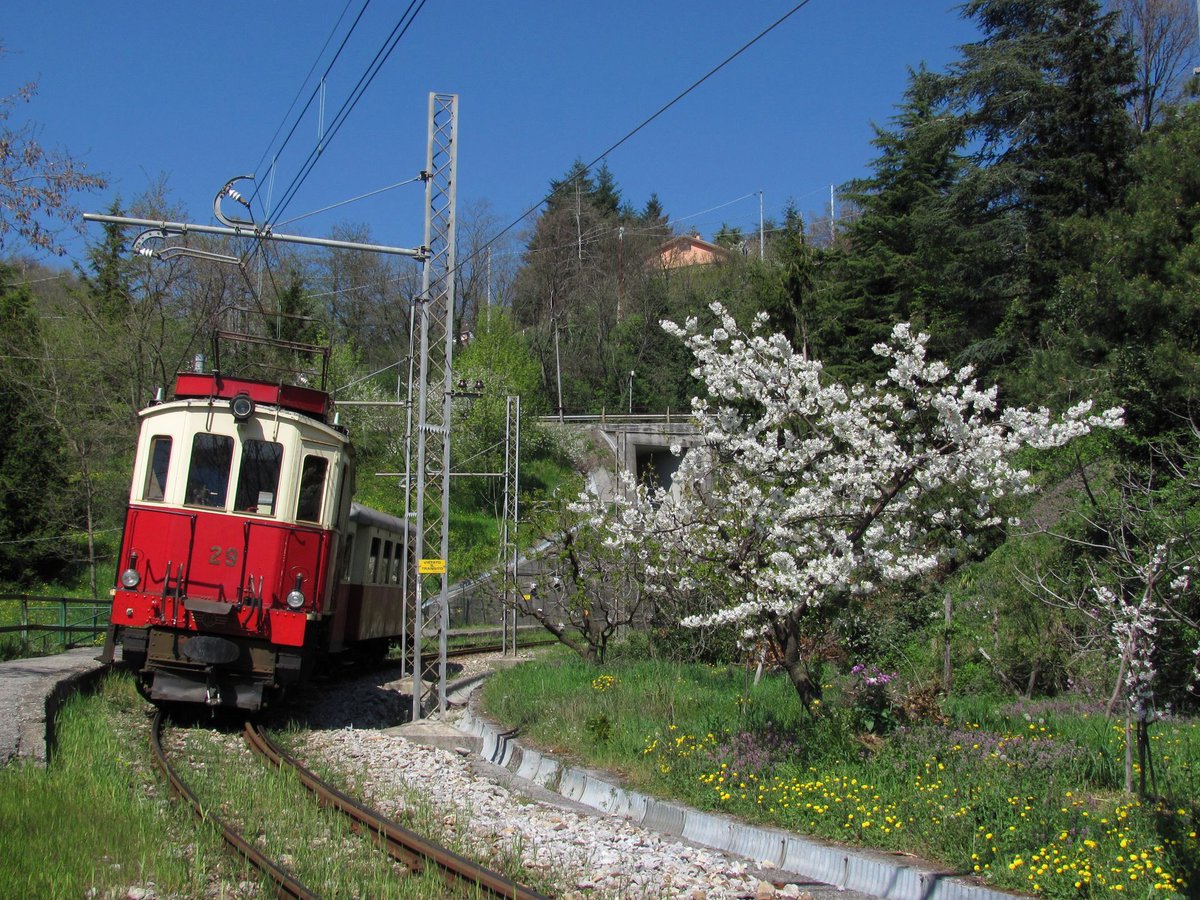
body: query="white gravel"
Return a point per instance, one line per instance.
(587, 855)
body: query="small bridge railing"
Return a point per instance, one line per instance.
(29, 614)
(608, 418)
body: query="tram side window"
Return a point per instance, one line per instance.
(208, 471)
(312, 488)
(394, 576)
(258, 478)
(156, 470)
(348, 558)
(373, 561)
(387, 562)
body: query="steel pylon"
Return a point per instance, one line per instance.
(435, 312)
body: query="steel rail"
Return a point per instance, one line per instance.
(403, 845)
(286, 885)
(494, 647)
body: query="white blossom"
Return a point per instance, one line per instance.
(806, 488)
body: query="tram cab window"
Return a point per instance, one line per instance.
(258, 477)
(158, 463)
(208, 471)
(312, 488)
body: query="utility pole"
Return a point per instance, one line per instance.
(558, 370)
(762, 252)
(488, 317)
(621, 267)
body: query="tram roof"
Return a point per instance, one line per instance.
(213, 385)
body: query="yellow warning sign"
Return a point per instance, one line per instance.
(431, 567)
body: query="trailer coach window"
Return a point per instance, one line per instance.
(373, 561)
(156, 470)
(208, 473)
(394, 576)
(258, 477)
(312, 488)
(387, 562)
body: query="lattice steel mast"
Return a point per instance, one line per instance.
(508, 530)
(436, 324)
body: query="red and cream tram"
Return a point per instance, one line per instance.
(244, 565)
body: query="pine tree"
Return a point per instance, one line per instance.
(916, 252)
(27, 451)
(1042, 102)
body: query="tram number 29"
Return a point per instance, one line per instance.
(227, 555)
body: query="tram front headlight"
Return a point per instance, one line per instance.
(295, 599)
(130, 579)
(242, 407)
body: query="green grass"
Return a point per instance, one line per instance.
(1025, 797)
(98, 817)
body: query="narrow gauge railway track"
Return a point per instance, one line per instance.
(286, 885)
(493, 647)
(406, 847)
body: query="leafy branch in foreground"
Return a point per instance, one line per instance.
(35, 183)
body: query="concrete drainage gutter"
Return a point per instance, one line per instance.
(876, 874)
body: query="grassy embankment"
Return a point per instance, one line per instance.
(1024, 795)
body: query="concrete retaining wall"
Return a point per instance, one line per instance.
(876, 874)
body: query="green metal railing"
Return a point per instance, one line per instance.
(48, 617)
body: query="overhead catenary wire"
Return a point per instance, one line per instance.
(662, 109)
(372, 71)
(307, 77)
(58, 537)
(348, 201)
(389, 46)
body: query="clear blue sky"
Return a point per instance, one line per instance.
(194, 92)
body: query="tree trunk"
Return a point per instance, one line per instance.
(1128, 750)
(1143, 750)
(787, 640)
(91, 542)
(947, 669)
(1116, 694)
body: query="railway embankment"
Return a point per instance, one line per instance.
(31, 693)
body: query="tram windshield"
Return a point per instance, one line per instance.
(208, 472)
(258, 477)
(312, 488)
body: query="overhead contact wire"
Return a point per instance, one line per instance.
(316, 90)
(364, 82)
(662, 109)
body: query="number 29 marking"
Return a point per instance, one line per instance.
(230, 556)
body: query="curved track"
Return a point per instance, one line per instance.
(407, 847)
(413, 851)
(287, 885)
